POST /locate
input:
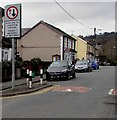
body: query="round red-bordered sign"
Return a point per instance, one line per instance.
(12, 12)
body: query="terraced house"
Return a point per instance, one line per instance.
(47, 42)
(92, 51)
(85, 49)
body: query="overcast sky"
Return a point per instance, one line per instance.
(87, 14)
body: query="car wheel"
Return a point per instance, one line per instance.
(95, 68)
(74, 75)
(48, 77)
(88, 69)
(68, 76)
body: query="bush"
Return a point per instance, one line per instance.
(35, 62)
(6, 64)
(6, 70)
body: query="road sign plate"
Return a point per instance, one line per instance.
(11, 29)
(12, 21)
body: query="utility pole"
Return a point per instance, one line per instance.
(95, 35)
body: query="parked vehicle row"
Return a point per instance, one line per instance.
(65, 69)
(86, 65)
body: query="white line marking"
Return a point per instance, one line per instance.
(111, 91)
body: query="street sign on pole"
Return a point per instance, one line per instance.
(13, 30)
(12, 21)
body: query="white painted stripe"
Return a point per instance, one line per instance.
(41, 71)
(67, 90)
(27, 71)
(111, 91)
(30, 73)
(61, 47)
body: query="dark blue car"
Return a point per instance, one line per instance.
(95, 64)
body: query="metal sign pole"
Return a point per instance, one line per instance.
(13, 64)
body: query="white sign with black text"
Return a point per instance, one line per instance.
(12, 21)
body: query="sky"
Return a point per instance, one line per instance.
(81, 17)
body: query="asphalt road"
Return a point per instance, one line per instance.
(83, 97)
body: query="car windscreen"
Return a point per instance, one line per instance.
(59, 64)
(92, 61)
(81, 63)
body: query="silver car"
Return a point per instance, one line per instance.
(83, 65)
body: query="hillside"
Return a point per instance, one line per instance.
(102, 38)
(108, 44)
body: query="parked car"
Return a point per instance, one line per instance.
(60, 69)
(83, 65)
(95, 64)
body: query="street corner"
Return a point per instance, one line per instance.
(21, 90)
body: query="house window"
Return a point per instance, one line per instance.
(69, 43)
(65, 43)
(72, 44)
(6, 56)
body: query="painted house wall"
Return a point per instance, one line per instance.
(81, 48)
(40, 42)
(90, 48)
(90, 51)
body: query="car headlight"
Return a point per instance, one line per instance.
(65, 70)
(86, 66)
(75, 67)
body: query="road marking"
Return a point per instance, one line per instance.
(110, 92)
(79, 89)
(67, 90)
(113, 92)
(33, 93)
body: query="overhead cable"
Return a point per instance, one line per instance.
(71, 15)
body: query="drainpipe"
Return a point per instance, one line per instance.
(62, 47)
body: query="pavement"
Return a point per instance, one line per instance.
(21, 87)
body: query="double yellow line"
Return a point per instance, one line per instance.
(33, 93)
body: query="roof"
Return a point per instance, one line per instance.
(81, 39)
(51, 27)
(78, 38)
(24, 30)
(88, 42)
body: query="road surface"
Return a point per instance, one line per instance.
(86, 96)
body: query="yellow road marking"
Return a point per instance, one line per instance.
(34, 93)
